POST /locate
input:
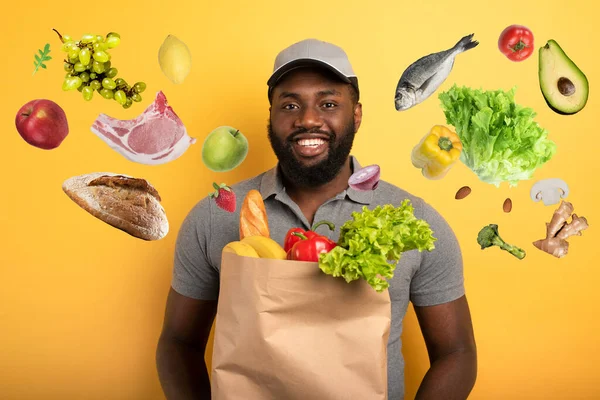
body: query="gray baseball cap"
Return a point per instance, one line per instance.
(311, 52)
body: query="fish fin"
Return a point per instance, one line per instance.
(425, 85)
(466, 43)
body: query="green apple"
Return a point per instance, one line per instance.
(224, 149)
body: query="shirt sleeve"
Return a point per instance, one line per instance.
(440, 277)
(193, 273)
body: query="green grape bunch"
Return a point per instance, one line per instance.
(89, 69)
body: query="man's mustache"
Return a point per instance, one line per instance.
(301, 131)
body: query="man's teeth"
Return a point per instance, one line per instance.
(310, 142)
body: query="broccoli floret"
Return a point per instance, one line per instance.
(488, 236)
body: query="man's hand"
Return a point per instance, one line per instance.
(448, 333)
(180, 352)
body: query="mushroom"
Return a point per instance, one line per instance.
(549, 190)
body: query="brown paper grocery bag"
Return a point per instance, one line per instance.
(285, 330)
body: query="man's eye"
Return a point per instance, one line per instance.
(289, 106)
(329, 105)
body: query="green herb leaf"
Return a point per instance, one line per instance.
(43, 56)
(371, 244)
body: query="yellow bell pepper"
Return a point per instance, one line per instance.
(437, 152)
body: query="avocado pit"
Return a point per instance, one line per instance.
(565, 86)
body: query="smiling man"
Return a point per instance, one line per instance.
(314, 115)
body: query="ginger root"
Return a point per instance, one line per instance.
(559, 218)
(574, 228)
(558, 229)
(555, 246)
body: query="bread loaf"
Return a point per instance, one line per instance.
(253, 216)
(126, 203)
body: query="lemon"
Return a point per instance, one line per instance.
(175, 59)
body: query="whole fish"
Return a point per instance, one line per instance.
(422, 78)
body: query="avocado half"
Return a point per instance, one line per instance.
(564, 86)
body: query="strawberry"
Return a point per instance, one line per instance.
(224, 197)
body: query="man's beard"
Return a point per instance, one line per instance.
(322, 172)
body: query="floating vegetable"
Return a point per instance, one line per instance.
(501, 141)
(558, 230)
(365, 179)
(549, 190)
(516, 42)
(43, 56)
(488, 236)
(564, 86)
(437, 152)
(559, 217)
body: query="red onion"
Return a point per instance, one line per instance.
(365, 179)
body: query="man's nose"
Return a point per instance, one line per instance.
(309, 118)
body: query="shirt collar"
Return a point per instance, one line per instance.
(271, 184)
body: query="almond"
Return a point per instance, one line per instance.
(507, 206)
(462, 193)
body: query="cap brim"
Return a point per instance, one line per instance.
(303, 62)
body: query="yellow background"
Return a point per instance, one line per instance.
(81, 303)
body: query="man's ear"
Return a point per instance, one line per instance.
(357, 116)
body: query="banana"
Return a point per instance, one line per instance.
(241, 249)
(265, 247)
(175, 59)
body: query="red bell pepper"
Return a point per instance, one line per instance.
(309, 246)
(291, 238)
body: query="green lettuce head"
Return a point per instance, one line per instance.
(372, 242)
(501, 141)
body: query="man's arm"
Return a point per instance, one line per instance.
(448, 332)
(438, 297)
(180, 353)
(190, 310)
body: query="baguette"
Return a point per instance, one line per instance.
(253, 216)
(126, 203)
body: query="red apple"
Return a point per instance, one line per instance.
(42, 123)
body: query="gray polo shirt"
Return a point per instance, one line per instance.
(425, 278)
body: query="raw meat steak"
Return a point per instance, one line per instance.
(157, 136)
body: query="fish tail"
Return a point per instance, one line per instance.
(466, 43)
